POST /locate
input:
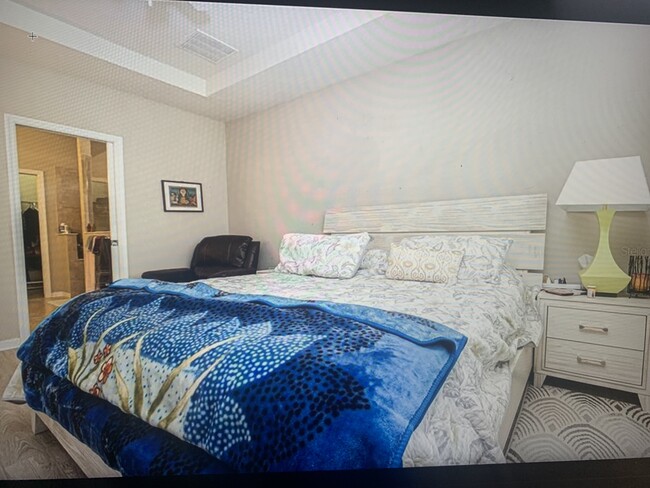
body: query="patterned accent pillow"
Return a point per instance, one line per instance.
(375, 261)
(423, 264)
(322, 255)
(483, 256)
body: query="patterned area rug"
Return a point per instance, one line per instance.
(556, 424)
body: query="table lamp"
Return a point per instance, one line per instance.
(605, 186)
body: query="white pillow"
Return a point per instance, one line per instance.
(322, 255)
(375, 261)
(423, 264)
(483, 256)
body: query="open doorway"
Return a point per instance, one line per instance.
(69, 251)
(80, 244)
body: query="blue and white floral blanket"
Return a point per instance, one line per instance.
(261, 383)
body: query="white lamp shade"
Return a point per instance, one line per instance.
(618, 183)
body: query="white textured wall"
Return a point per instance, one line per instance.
(505, 112)
(160, 142)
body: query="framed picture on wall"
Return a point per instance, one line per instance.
(182, 196)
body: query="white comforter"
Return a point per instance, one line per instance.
(461, 425)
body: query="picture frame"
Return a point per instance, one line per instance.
(182, 196)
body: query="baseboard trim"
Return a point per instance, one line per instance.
(9, 344)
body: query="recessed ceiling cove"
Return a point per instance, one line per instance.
(218, 59)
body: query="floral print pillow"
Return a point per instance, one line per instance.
(375, 261)
(483, 257)
(337, 256)
(423, 264)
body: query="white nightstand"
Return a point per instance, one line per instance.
(601, 341)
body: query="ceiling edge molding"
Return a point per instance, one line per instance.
(72, 37)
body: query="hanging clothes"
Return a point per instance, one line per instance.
(31, 230)
(32, 246)
(101, 247)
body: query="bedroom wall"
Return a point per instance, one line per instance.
(160, 142)
(505, 112)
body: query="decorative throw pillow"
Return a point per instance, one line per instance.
(483, 256)
(423, 264)
(337, 256)
(375, 261)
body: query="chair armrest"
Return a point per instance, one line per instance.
(175, 275)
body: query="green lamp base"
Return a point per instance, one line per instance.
(605, 285)
(603, 273)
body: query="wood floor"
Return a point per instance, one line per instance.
(23, 455)
(39, 307)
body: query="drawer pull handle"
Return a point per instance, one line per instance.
(593, 362)
(593, 328)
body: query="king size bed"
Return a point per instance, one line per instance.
(401, 336)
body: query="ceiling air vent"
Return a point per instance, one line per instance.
(208, 47)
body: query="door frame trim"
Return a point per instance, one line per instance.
(116, 195)
(42, 226)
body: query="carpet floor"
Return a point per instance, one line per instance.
(559, 424)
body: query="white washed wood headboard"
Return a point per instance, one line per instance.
(521, 218)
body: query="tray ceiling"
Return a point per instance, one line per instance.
(280, 52)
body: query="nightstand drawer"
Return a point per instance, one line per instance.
(597, 327)
(599, 362)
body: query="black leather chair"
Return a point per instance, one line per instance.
(214, 257)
